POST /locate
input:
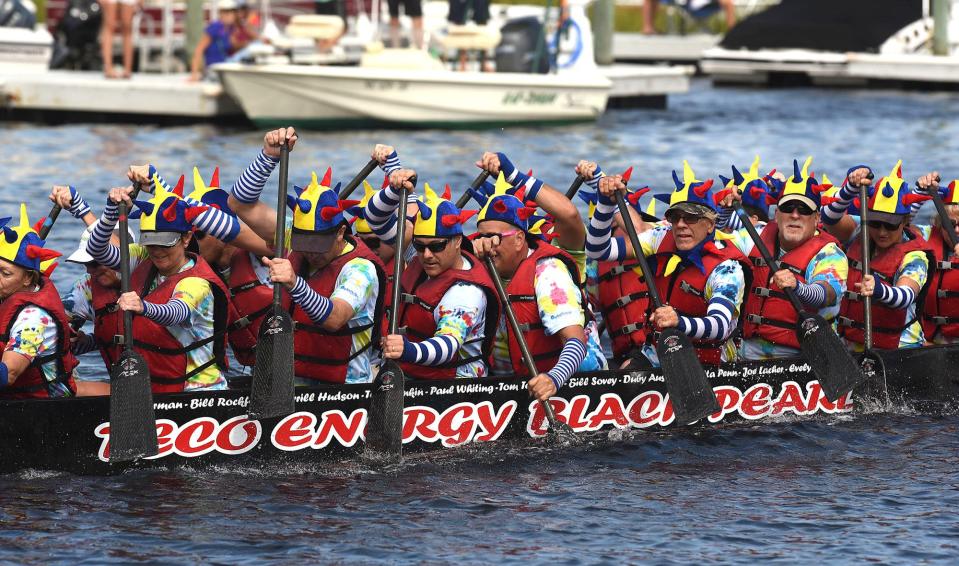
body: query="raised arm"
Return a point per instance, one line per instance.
(245, 193)
(834, 217)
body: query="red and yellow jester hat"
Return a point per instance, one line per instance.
(949, 193)
(437, 217)
(21, 245)
(210, 194)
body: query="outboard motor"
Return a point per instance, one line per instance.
(517, 48)
(78, 37)
(17, 14)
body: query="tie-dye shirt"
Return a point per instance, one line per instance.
(829, 267)
(78, 304)
(915, 266)
(559, 301)
(34, 333)
(461, 313)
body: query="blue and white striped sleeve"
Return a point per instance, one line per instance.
(896, 297)
(380, 213)
(392, 163)
(573, 354)
(725, 288)
(222, 226)
(249, 185)
(172, 313)
(600, 245)
(99, 245)
(317, 307)
(433, 351)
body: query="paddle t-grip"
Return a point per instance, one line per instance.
(465, 197)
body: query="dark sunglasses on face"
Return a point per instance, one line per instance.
(435, 246)
(688, 219)
(795, 206)
(877, 224)
(372, 243)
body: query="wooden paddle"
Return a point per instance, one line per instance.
(271, 393)
(465, 197)
(689, 389)
(830, 360)
(557, 427)
(873, 368)
(384, 432)
(133, 432)
(346, 191)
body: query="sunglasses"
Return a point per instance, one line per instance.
(879, 224)
(675, 216)
(795, 206)
(372, 243)
(498, 235)
(435, 246)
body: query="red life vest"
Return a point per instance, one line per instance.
(107, 320)
(884, 266)
(685, 288)
(252, 299)
(320, 354)
(941, 315)
(768, 314)
(165, 355)
(31, 384)
(544, 348)
(624, 300)
(421, 295)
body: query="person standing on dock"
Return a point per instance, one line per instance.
(543, 284)
(900, 263)
(216, 43)
(812, 263)
(701, 278)
(334, 284)
(37, 361)
(940, 317)
(114, 11)
(450, 308)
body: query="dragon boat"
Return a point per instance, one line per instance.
(204, 428)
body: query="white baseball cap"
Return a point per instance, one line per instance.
(81, 255)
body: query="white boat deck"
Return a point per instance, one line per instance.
(654, 48)
(144, 95)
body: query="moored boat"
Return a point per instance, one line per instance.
(206, 428)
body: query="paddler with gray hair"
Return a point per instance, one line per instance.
(701, 279)
(450, 308)
(543, 284)
(334, 284)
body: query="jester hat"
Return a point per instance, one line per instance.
(165, 216)
(317, 215)
(891, 200)
(949, 193)
(21, 245)
(210, 194)
(506, 207)
(437, 217)
(802, 186)
(360, 225)
(754, 189)
(691, 194)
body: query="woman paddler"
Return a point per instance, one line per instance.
(334, 283)
(900, 262)
(450, 308)
(37, 361)
(184, 305)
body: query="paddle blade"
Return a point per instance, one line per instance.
(271, 394)
(689, 389)
(133, 433)
(832, 363)
(874, 377)
(384, 429)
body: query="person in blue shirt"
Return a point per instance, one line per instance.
(215, 45)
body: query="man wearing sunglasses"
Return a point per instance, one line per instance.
(450, 308)
(900, 261)
(700, 279)
(811, 261)
(940, 317)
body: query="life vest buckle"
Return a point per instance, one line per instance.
(761, 291)
(853, 296)
(754, 318)
(685, 286)
(846, 321)
(118, 340)
(946, 265)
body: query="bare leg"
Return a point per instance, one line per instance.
(418, 32)
(126, 31)
(730, 9)
(394, 32)
(107, 27)
(649, 16)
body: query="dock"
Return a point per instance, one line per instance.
(684, 49)
(645, 86)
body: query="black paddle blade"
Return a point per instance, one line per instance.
(874, 376)
(689, 389)
(384, 429)
(832, 363)
(133, 433)
(271, 394)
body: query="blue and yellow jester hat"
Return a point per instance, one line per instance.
(505, 207)
(802, 186)
(691, 190)
(210, 194)
(648, 213)
(892, 198)
(165, 212)
(360, 225)
(949, 193)
(754, 189)
(21, 245)
(317, 208)
(437, 217)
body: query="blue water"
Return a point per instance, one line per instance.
(878, 487)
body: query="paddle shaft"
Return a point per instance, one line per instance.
(764, 251)
(638, 251)
(399, 258)
(360, 177)
(465, 198)
(514, 324)
(48, 222)
(281, 212)
(574, 188)
(944, 221)
(125, 274)
(864, 228)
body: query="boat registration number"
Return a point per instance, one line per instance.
(529, 97)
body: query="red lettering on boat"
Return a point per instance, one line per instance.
(537, 425)
(334, 424)
(578, 406)
(645, 410)
(756, 401)
(668, 416)
(790, 399)
(728, 397)
(456, 424)
(294, 432)
(196, 438)
(610, 411)
(494, 424)
(229, 441)
(166, 436)
(417, 422)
